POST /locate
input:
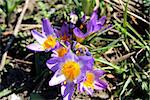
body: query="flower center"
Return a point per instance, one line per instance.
(64, 37)
(80, 40)
(62, 51)
(71, 70)
(89, 80)
(81, 26)
(50, 42)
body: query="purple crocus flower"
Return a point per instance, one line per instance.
(69, 70)
(46, 40)
(92, 26)
(63, 33)
(92, 82)
(57, 56)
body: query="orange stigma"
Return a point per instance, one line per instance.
(89, 80)
(64, 37)
(61, 51)
(50, 42)
(71, 70)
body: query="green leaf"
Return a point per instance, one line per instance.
(105, 48)
(138, 35)
(117, 68)
(123, 30)
(125, 14)
(126, 85)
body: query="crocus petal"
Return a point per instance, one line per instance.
(67, 97)
(69, 87)
(79, 33)
(63, 88)
(102, 20)
(88, 53)
(53, 63)
(57, 78)
(81, 87)
(54, 54)
(57, 32)
(89, 90)
(98, 73)
(94, 16)
(100, 85)
(87, 61)
(67, 90)
(70, 56)
(90, 27)
(46, 27)
(81, 77)
(83, 19)
(39, 37)
(35, 47)
(67, 44)
(64, 28)
(96, 28)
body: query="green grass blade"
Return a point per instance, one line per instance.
(138, 35)
(125, 85)
(123, 30)
(117, 68)
(125, 14)
(105, 48)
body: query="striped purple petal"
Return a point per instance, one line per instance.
(53, 63)
(38, 37)
(35, 47)
(46, 27)
(100, 85)
(81, 87)
(89, 90)
(83, 19)
(87, 61)
(96, 28)
(90, 27)
(57, 78)
(94, 16)
(79, 33)
(102, 20)
(67, 90)
(98, 73)
(70, 56)
(65, 29)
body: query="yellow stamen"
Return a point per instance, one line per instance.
(79, 39)
(65, 82)
(71, 70)
(81, 26)
(89, 80)
(50, 42)
(62, 51)
(78, 45)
